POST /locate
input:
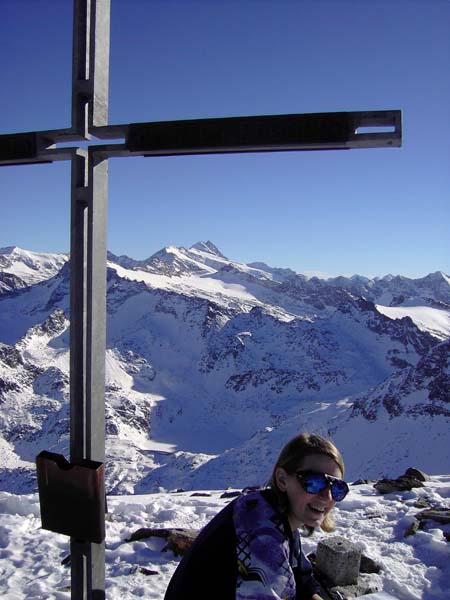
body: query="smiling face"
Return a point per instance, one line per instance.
(308, 509)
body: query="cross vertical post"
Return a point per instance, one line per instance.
(87, 348)
(90, 70)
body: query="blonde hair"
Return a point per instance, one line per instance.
(290, 459)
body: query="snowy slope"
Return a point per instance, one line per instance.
(434, 320)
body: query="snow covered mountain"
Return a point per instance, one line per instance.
(20, 268)
(212, 364)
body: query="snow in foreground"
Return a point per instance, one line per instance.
(415, 567)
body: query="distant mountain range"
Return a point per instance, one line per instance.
(212, 364)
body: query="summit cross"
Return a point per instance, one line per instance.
(89, 183)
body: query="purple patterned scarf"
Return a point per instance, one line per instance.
(265, 561)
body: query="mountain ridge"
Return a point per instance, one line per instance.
(209, 359)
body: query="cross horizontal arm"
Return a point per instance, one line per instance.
(316, 131)
(35, 147)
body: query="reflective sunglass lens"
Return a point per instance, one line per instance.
(339, 489)
(314, 483)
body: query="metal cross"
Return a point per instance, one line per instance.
(89, 176)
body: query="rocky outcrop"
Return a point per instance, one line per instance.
(428, 383)
(387, 486)
(10, 284)
(412, 478)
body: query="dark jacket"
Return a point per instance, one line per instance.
(209, 570)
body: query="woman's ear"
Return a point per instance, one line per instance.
(281, 478)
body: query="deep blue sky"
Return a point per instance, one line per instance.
(371, 212)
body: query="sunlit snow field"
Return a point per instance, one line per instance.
(414, 567)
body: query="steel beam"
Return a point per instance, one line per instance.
(88, 273)
(90, 65)
(87, 348)
(316, 131)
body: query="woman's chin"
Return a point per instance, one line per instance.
(314, 518)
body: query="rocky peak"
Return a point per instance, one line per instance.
(8, 250)
(208, 247)
(123, 261)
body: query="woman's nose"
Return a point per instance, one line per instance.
(326, 493)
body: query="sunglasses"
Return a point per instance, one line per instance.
(314, 483)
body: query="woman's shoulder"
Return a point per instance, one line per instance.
(256, 508)
(253, 497)
(247, 500)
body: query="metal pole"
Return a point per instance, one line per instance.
(80, 66)
(87, 348)
(88, 272)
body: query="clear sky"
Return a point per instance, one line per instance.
(370, 212)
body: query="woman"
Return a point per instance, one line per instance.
(252, 549)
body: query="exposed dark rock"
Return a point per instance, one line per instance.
(230, 494)
(368, 565)
(53, 325)
(353, 591)
(137, 569)
(51, 379)
(440, 515)
(401, 484)
(422, 520)
(146, 571)
(412, 478)
(373, 515)
(132, 413)
(392, 405)
(124, 261)
(178, 540)
(422, 503)
(7, 386)
(412, 529)
(278, 379)
(11, 285)
(10, 356)
(417, 473)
